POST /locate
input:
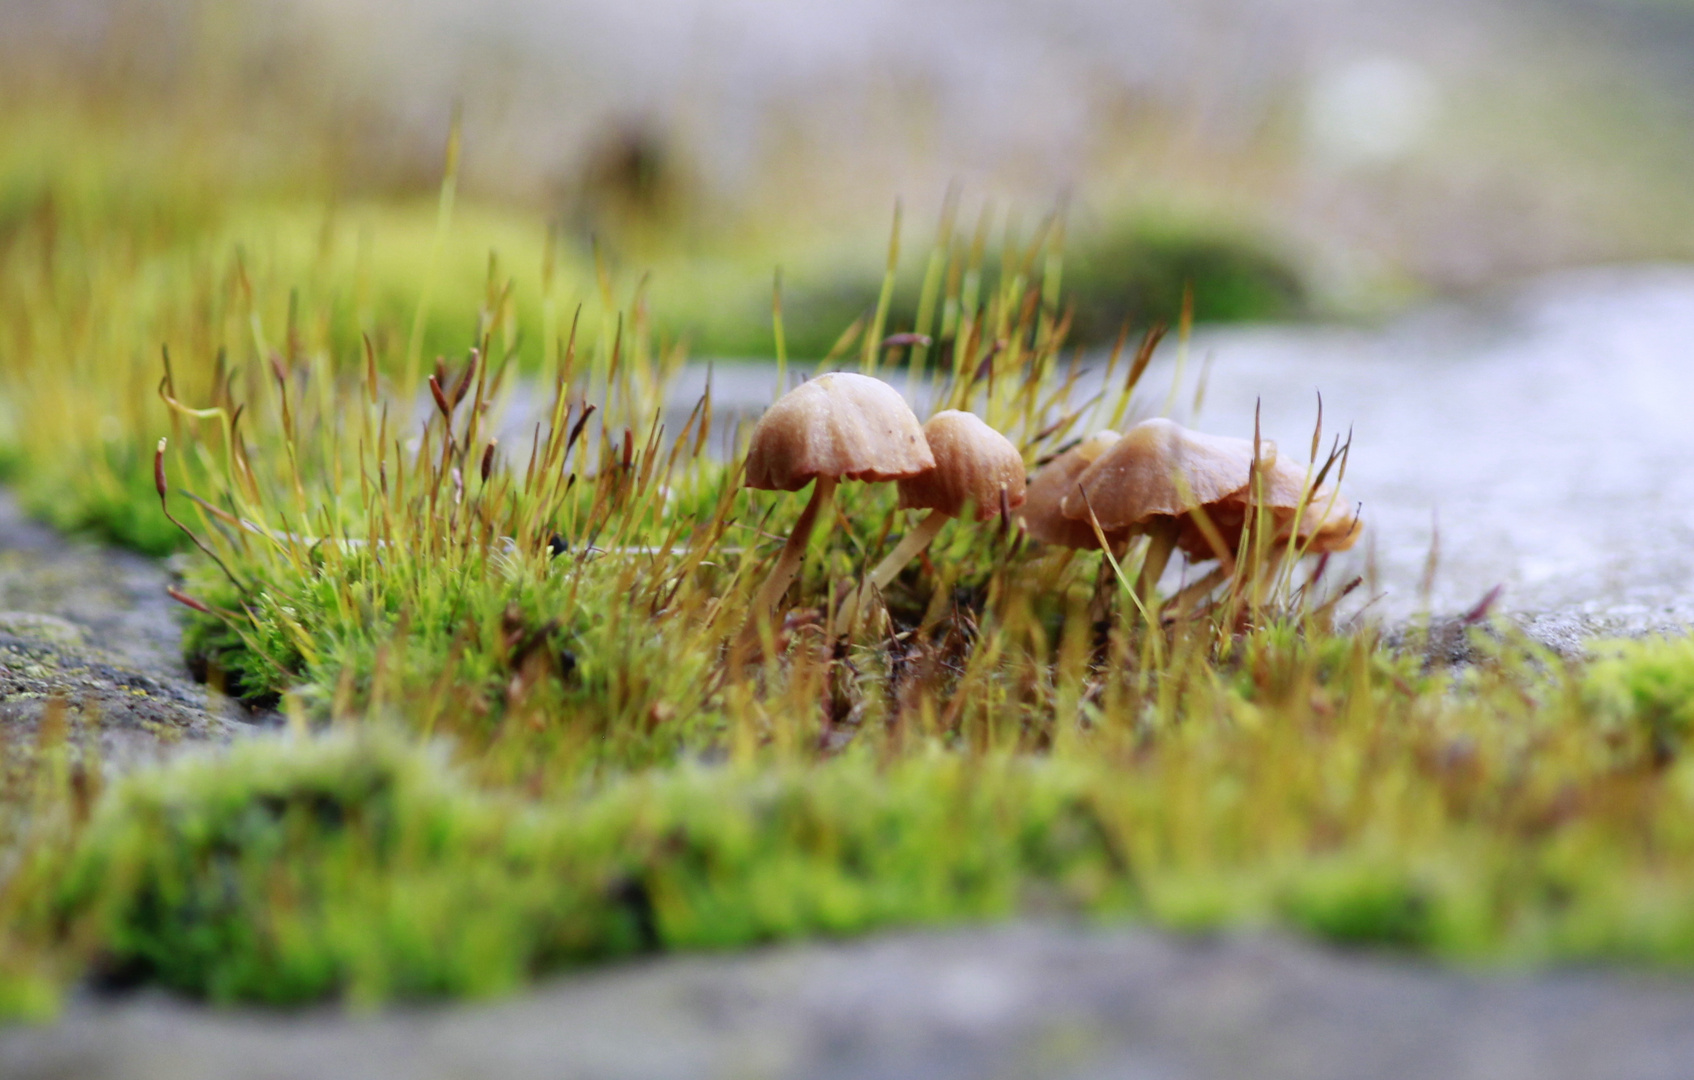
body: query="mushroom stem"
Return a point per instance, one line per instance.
(889, 568)
(1196, 591)
(1161, 541)
(907, 549)
(1105, 586)
(794, 551)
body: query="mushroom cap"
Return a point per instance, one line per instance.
(1043, 518)
(1285, 485)
(973, 465)
(1137, 478)
(848, 426)
(1327, 523)
(1339, 530)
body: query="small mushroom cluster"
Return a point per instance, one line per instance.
(1182, 489)
(843, 426)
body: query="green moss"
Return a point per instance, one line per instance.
(358, 867)
(361, 867)
(1135, 272)
(216, 653)
(817, 310)
(1139, 272)
(1645, 689)
(289, 873)
(111, 498)
(1357, 903)
(29, 992)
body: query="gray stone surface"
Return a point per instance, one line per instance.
(94, 629)
(1548, 434)
(1013, 1001)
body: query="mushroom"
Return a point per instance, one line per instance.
(1152, 479)
(975, 466)
(838, 426)
(1043, 518)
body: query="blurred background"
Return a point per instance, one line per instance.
(1288, 157)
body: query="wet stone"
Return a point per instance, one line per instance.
(1021, 1000)
(87, 635)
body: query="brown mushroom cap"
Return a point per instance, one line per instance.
(1137, 479)
(1044, 520)
(1339, 530)
(973, 465)
(1327, 522)
(842, 425)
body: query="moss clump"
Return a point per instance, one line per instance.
(111, 498)
(363, 868)
(1645, 689)
(1136, 273)
(28, 992)
(1141, 272)
(1359, 902)
(815, 313)
(290, 872)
